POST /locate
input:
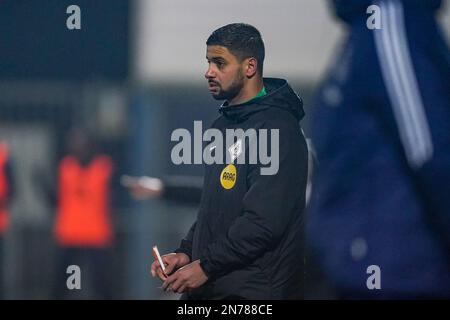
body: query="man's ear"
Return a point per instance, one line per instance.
(251, 67)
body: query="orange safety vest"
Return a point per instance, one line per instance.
(83, 218)
(4, 188)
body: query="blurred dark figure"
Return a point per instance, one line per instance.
(83, 227)
(381, 128)
(6, 190)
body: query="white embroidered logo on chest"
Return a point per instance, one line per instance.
(235, 150)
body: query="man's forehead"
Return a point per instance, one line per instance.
(215, 51)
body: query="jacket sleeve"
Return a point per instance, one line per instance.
(429, 163)
(419, 117)
(186, 244)
(269, 206)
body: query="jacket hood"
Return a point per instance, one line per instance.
(279, 95)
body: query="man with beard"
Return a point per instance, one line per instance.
(247, 240)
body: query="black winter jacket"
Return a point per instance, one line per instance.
(249, 237)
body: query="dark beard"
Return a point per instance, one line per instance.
(232, 91)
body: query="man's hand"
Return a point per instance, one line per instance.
(171, 261)
(188, 277)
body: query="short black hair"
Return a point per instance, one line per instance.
(242, 40)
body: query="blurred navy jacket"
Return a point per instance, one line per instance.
(348, 10)
(381, 129)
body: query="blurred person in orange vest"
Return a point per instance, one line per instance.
(83, 228)
(6, 188)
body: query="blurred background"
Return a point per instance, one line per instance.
(131, 75)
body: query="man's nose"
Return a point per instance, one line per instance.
(209, 73)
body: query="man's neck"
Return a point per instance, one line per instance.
(247, 93)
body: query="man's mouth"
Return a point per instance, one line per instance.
(213, 85)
